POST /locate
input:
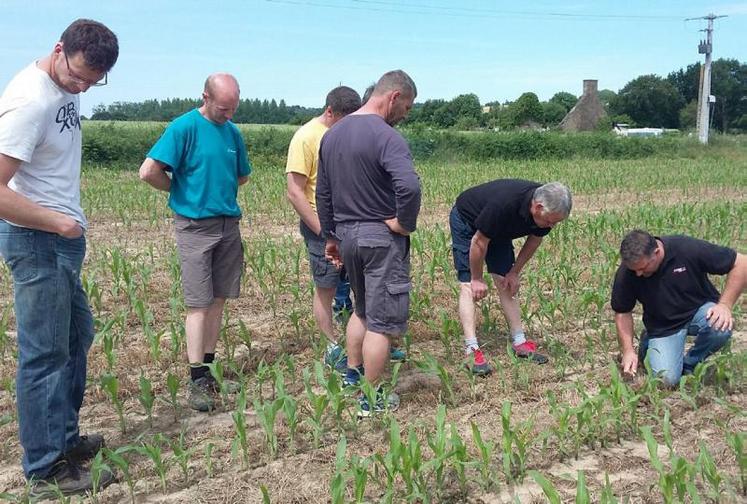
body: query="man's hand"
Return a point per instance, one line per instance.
(510, 282)
(394, 226)
(719, 317)
(630, 362)
(479, 289)
(332, 253)
(69, 227)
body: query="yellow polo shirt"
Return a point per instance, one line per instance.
(303, 155)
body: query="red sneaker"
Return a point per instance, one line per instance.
(477, 363)
(528, 350)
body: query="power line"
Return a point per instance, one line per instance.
(389, 7)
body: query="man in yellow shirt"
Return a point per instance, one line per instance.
(301, 167)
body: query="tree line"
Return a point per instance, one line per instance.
(648, 100)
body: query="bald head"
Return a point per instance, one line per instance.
(221, 97)
(218, 83)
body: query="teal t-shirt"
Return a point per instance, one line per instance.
(206, 160)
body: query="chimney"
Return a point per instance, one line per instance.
(590, 87)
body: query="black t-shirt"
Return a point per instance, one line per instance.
(500, 209)
(671, 296)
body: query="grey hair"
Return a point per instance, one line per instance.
(396, 80)
(637, 245)
(554, 198)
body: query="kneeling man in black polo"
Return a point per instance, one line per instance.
(669, 277)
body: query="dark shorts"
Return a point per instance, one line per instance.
(499, 258)
(324, 273)
(212, 258)
(378, 265)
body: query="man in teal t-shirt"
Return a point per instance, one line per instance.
(206, 156)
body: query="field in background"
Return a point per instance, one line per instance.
(527, 431)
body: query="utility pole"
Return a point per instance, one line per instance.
(704, 91)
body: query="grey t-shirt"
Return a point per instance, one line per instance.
(366, 174)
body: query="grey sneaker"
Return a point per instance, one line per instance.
(231, 386)
(390, 403)
(201, 395)
(86, 449)
(68, 478)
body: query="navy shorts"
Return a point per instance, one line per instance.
(500, 257)
(324, 273)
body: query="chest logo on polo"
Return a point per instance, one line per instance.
(67, 117)
(680, 269)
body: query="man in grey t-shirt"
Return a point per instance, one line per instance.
(368, 199)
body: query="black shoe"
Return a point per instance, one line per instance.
(86, 449)
(68, 478)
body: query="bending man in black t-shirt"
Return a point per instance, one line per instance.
(669, 276)
(484, 222)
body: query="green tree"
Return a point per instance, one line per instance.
(606, 96)
(689, 115)
(564, 99)
(526, 109)
(552, 113)
(651, 101)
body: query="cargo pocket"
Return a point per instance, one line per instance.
(398, 302)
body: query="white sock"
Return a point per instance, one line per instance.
(518, 338)
(470, 345)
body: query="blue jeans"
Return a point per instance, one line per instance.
(55, 331)
(666, 353)
(342, 294)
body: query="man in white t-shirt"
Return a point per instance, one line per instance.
(42, 239)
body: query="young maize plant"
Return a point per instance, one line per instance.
(110, 384)
(155, 454)
(117, 459)
(516, 441)
(317, 404)
(486, 450)
(146, 397)
(172, 384)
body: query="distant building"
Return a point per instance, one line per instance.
(586, 114)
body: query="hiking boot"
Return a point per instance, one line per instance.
(86, 449)
(231, 386)
(391, 403)
(528, 350)
(201, 395)
(335, 358)
(397, 355)
(68, 478)
(477, 363)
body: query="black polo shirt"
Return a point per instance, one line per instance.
(500, 209)
(671, 296)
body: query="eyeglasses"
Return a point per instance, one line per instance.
(86, 82)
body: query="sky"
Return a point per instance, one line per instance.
(297, 50)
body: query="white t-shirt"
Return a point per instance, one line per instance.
(40, 126)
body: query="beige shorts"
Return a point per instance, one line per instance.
(212, 258)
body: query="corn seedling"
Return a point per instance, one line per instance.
(736, 442)
(485, 462)
(110, 384)
(98, 468)
(182, 454)
(209, 459)
(709, 472)
(240, 440)
(116, 458)
(516, 442)
(339, 480)
(172, 384)
(146, 397)
(430, 365)
(266, 414)
(155, 454)
(553, 497)
(318, 405)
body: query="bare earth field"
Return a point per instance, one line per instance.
(270, 345)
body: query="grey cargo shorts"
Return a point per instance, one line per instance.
(212, 258)
(378, 266)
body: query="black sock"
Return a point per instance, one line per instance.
(209, 358)
(197, 371)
